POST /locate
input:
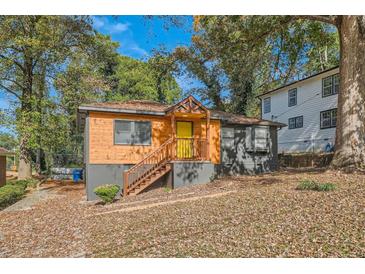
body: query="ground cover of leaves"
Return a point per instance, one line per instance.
(247, 216)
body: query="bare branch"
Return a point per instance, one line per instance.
(10, 91)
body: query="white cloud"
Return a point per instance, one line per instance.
(99, 22)
(139, 50)
(119, 27)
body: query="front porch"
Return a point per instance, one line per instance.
(189, 141)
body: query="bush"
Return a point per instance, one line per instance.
(11, 193)
(107, 193)
(24, 183)
(313, 185)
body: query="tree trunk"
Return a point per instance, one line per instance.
(25, 160)
(350, 130)
(25, 167)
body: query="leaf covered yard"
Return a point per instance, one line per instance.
(248, 216)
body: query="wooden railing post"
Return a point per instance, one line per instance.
(125, 183)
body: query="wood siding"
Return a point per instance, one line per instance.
(102, 149)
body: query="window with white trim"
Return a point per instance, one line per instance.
(132, 132)
(328, 118)
(330, 85)
(261, 138)
(292, 97)
(267, 105)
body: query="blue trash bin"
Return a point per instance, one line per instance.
(77, 175)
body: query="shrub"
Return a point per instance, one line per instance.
(25, 183)
(11, 193)
(313, 185)
(326, 187)
(107, 193)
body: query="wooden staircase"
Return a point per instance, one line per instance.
(157, 163)
(149, 170)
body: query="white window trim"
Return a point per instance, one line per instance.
(267, 99)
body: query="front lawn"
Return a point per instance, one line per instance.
(249, 216)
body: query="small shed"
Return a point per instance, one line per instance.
(3, 154)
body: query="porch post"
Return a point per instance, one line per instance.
(208, 135)
(173, 133)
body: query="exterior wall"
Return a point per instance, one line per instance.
(102, 150)
(100, 174)
(2, 170)
(191, 173)
(309, 105)
(236, 160)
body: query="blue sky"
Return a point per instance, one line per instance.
(138, 36)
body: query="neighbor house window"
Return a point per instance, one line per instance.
(296, 122)
(267, 105)
(132, 132)
(330, 85)
(328, 118)
(292, 97)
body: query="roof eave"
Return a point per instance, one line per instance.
(296, 82)
(121, 110)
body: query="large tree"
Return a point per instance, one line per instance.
(254, 53)
(266, 30)
(33, 48)
(350, 128)
(151, 80)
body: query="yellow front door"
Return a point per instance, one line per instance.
(184, 134)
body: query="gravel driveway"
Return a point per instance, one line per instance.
(248, 216)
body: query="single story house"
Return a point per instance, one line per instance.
(137, 143)
(3, 154)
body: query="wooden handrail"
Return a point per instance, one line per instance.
(172, 149)
(151, 162)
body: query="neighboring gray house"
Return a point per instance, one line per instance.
(309, 108)
(137, 143)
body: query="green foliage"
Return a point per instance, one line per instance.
(8, 141)
(32, 183)
(107, 193)
(238, 57)
(139, 80)
(10, 194)
(313, 185)
(167, 189)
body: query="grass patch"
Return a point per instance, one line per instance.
(313, 185)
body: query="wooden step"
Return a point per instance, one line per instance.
(147, 181)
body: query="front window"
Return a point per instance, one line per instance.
(328, 118)
(292, 97)
(261, 139)
(132, 132)
(296, 122)
(330, 85)
(267, 105)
